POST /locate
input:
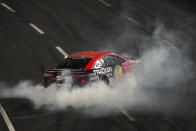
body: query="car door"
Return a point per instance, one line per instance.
(101, 71)
(116, 63)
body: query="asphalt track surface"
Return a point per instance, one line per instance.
(78, 25)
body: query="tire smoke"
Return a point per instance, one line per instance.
(151, 87)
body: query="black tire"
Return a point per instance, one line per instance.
(105, 79)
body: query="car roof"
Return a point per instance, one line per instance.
(89, 54)
(94, 55)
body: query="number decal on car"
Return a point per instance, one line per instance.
(118, 71)
(127, 67)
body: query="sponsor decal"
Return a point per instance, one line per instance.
(102, 71)
(92, 78)
(60, 77)
(65, 79)
(127, 67)
(118, 71)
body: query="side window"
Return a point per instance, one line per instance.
(99, 63)
(118, 59)
(108, 60)
(112, 60)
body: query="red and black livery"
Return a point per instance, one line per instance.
(83, 67)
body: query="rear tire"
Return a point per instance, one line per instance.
(105, 79)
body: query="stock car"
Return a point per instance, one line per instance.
(81, 68)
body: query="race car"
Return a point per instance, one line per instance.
(81, 68)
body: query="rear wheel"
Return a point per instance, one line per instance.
(105, 79)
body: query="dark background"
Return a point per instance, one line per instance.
(78, 25)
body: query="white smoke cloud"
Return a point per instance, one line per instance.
(162, 67)
(98, 94)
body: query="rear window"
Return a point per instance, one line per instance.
(74, 63)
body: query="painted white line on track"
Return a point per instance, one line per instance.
(171, 45)
(6, 119)
(62, 51)
(124, 112)
(8, 8)
(134, 21)
(36, 28)
(105, 3)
